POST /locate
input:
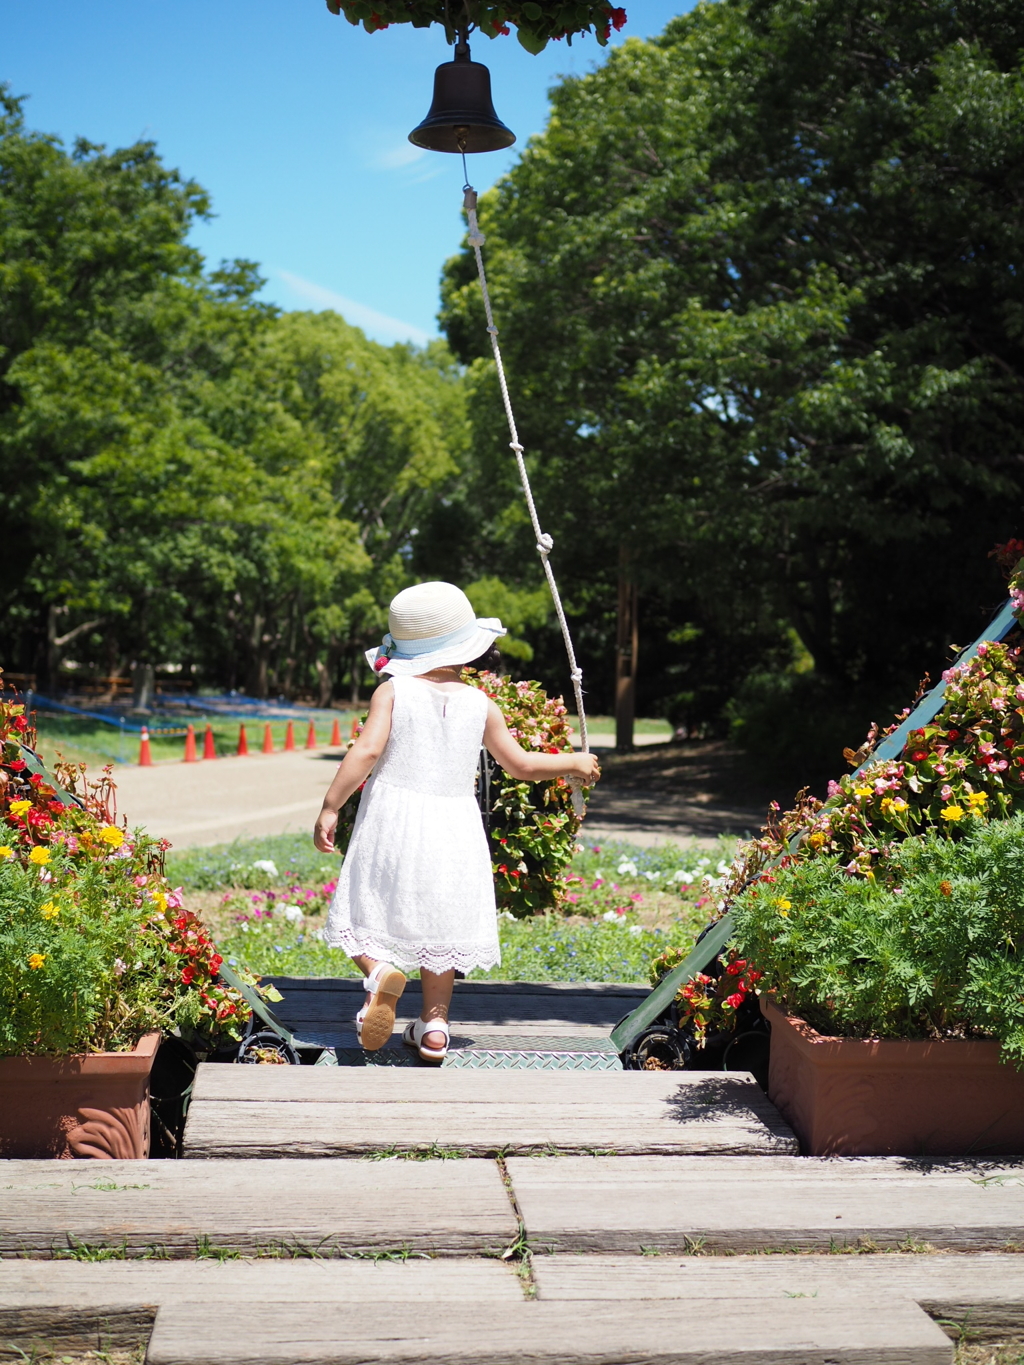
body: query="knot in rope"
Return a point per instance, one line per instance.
(493, 331)
(514, 445)
(545, 544)
(576, 675)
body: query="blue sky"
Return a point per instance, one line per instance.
(296, 124)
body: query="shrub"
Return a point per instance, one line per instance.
(924, 946)
(95, 948)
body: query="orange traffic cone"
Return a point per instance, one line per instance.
(311, 736)
(268, 740)
(145, 759)
(289, 738)
(243, 744)
(336, 735)
(190, 745)
(355, 729)
(209, 747)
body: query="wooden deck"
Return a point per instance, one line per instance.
(268, 1111)
(508, 1209)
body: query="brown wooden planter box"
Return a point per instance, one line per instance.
(93, 1105)
(890, 1097)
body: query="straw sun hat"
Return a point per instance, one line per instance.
(432, 625)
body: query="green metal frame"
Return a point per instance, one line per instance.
(260, 1008)
(654, 1006)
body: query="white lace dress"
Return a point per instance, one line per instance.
(416, 886)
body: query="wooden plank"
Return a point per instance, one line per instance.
(321, 1111)
(558, 1006)
(77, 1305)
(779, 1332)
(776, 1203)
(449, 1208)
(983, 1291)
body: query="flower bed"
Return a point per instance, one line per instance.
(96, 949)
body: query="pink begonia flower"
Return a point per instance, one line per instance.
(573, 897)
(141, 880)
(174, 899)
(834, 789)
(119, 967)
(998, 704)
(982, 651)
(998, 766)
(946, 792)
(986, 749)
(940, 769)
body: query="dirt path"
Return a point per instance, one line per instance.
(661, 793)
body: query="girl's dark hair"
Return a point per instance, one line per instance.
(489, 661)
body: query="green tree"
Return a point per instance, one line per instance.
(759, 293)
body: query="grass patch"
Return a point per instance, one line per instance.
(266, 901)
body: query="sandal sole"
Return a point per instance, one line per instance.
(379, 1021)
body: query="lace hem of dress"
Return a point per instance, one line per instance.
(431, 957)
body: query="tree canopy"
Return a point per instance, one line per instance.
(760, 295)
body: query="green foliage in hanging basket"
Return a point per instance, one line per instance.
(535, 23)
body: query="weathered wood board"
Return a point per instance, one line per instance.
(321, 1111)
(450, 1208)
(775, 1331)
(114, 1303)
(985, 1291)
(769, 1203)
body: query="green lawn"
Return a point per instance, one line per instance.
(266, 901)
(83, 740)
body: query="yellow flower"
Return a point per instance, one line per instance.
(36, 960)
(952, 814)
(863, 791)
(20, 807)
(977, 800)
(39, 856)
(816, 839)
(110, 834)
(893, 805)
(50, 910)
(783, 906)
(160, 900)
(6, 851)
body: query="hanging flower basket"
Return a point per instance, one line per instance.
(535, 23)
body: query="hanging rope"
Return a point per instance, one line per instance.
(544, 541)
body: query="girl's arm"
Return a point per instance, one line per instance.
(356, 766)
(527, 766)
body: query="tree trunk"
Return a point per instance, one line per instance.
(626, 645)
(356, 675)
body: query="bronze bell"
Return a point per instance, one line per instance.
(462, 117)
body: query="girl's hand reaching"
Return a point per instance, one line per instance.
(588, 770)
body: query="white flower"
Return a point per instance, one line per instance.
(627, 868)
(636, 928)
(722, 867)
(292, 914)
(612, 916)
(244, 927)
(681, 875)
(266, 865)
(652, 876)
(119, 967)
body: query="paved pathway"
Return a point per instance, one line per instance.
(198, 804)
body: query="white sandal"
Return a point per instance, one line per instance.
(414, 1034)
(375, 1022)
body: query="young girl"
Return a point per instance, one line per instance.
(415, 888)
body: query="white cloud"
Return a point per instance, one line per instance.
(376, 325)
(397, 157)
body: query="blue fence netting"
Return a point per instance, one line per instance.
(168, 718)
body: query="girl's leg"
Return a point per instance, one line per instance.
(437, 996)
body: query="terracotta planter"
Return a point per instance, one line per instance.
(94, 1105)
(889, 1097)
